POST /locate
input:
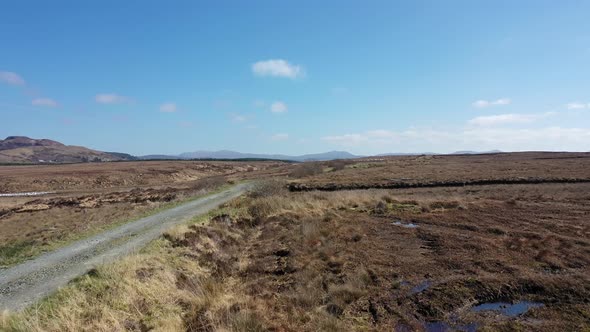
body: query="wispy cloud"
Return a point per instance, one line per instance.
(111, 98)
(168, 107)
(577, 106)
(47, 102)
(500, 119)
(488, 103)
(277, 68)
(185, 124)
(236, 117)
(11, 78)
(278, 107)
(280, 137)
(478, 139)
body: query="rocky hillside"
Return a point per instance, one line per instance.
(21, 149)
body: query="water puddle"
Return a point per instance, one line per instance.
(405, 225)
(420, 287)
(33, 193)
(507, 309)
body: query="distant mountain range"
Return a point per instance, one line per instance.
(227, 154)
(25, 150)
(477, 152)
(21, 149)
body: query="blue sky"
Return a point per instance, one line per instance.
(297, 77)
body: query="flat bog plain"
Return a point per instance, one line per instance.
(85, 198)
(490, 242)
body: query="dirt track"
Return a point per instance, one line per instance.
(26, 283)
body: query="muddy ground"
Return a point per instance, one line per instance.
(430, 259)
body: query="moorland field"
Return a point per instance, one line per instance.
(496, 242)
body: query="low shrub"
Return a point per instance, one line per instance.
(307, 169)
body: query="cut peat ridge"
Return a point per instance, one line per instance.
(404, 185)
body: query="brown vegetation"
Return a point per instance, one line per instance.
(119, 175)
(409, 259)
(367, 260)
(92, 197)
(452, 170)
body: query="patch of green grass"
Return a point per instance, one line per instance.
(14, 253)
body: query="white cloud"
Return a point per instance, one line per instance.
(577, 106)
(185, 124)
(486, 103)
(278, 107)
(111, 98)
(503, 101)
(168, 107)
(11, 78)
(493, 120)
(44, 102)
(277, 68)
(280, 137)
(416, 140)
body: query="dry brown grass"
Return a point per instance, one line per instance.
(333, 261)
(161, 289)
(118, 175)
(452, 168)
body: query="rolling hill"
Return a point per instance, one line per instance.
(25, 150)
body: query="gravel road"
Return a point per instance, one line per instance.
(24, 284)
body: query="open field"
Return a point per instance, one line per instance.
(109, 176)
(92, 197)
(440, 170)
(496, 257)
